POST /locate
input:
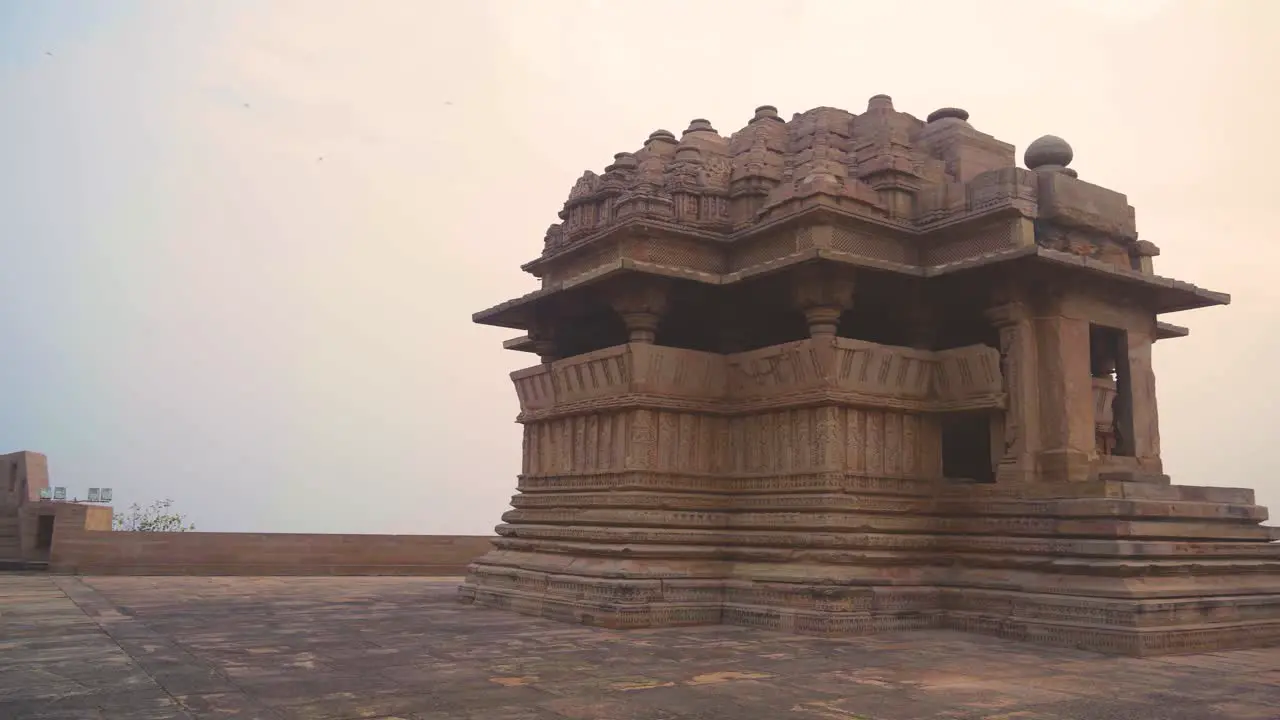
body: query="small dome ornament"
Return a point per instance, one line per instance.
(1049, 153)
(766, 112)
(699, 125)
(662, 136)
(623, 161)
(947, 113)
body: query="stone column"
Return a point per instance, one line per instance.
(641, 304)
(823, 293)
(1018, 362)
(1142, 385)
(641, 301)
(1068, 438)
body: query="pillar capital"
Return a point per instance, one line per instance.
(822, 293)
(641, 303)
(822, 285)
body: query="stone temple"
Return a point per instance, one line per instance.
(856, 372)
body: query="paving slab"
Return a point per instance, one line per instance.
(139, 648)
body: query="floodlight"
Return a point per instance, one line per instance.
(59, 493)
(93, 495)
(46, 493)
(105, 495)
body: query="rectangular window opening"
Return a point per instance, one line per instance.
(966, 448)
(1112, 390)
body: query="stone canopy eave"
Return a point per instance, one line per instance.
(1167, 295)
(516, 313)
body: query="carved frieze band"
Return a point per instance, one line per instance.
(791, 374)
(882, 443)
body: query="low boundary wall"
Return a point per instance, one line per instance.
(82, 551)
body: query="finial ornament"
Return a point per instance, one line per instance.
(948, 112)
(766, 112)
(1049, 153)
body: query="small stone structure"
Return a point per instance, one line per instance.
(859, 372)
(76, 538)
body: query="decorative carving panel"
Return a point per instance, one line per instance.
(753, 251)
(858, 371)
(951, 246)
(869, 244)
(873, 369)
(582, 261)
(677, 252)
(967, 373)
(774, 371)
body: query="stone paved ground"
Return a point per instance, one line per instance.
(290, 648)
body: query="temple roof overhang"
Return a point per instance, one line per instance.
(1166, 295)
(1169, 331)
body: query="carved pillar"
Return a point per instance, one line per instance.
(1020, 429)
(823, 293)
(1068, 430)
(1142, 385)
(641, 304)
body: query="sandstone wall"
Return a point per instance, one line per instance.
(103, 552)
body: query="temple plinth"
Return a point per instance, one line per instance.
(860, 372)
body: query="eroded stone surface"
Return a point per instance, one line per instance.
(345, 648)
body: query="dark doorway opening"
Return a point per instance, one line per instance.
(44, 532)
(1112, 390)
(966, 448)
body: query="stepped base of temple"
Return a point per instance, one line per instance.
(1114, 566)
(1118, 627)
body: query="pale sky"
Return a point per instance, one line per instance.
(194, 305)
